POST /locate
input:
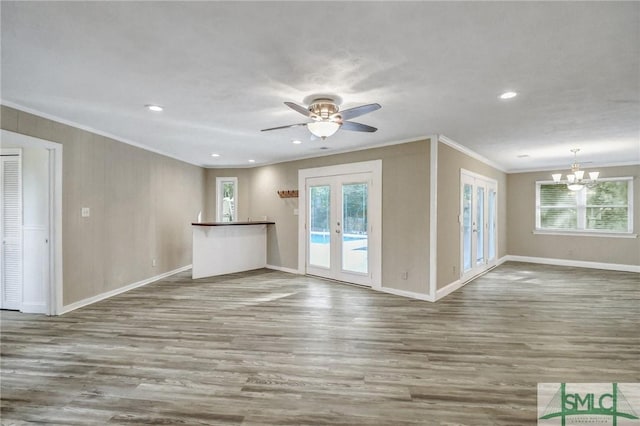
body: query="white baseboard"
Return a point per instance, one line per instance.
(283, 269)
(502, 260)
(34, 308)
(575, 263)
(405, 293)
(88, 301)
(451, 287)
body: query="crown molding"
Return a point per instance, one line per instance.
(327, 153)
(90, 129)
(459, 147)
(568, 166)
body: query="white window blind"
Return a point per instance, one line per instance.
(605, 207)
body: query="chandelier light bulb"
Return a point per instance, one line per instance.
(575, 187)
(576, 180)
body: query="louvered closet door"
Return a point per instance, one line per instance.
(11, 232)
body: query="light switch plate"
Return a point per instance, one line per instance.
(86, 212)
(295, 212)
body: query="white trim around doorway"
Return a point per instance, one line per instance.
(375, 168)
(490, 183)
(54, 296)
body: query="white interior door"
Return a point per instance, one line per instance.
(11, 232)
(478, 224)
(339, 235)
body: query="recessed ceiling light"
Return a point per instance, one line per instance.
(215, 155)
(508, 95)
(155, 108)
(297, 142)
(252, 161)
(523, 155)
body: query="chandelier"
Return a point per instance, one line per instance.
(575, 180)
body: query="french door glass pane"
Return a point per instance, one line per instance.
(319, 221)
(492, 224)
(354, 228)
(480, 226)
(466, 225)
(228, 203)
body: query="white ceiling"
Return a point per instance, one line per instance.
(222, 70)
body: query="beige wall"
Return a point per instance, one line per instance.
(450, 162)
(521, 221)
(141, 205)
(405, 208)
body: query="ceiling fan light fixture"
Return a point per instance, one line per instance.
(323, 129)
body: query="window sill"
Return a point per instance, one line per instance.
(586, 234)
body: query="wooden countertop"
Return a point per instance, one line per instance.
(232, 223)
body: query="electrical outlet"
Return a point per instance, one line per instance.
(86, 212)
(404, 275)
(153, 262)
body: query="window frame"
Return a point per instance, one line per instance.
(219, 196)
(581, 207)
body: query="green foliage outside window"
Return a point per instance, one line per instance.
(607, 206)
(604, 207)
(355, 201)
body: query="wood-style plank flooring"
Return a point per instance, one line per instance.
(270, 348)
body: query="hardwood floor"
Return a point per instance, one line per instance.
(267, 347)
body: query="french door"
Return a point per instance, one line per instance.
(338, 230)
(478, 230)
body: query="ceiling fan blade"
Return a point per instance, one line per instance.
(284, 127)
(302, 110)
(350, 113)
(357, 127)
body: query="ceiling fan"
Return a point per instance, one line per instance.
(328, 119)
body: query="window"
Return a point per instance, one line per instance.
(226, 199)
(605, 207)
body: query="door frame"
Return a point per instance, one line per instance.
(489, 183)
(54, 296)
(375, 214)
